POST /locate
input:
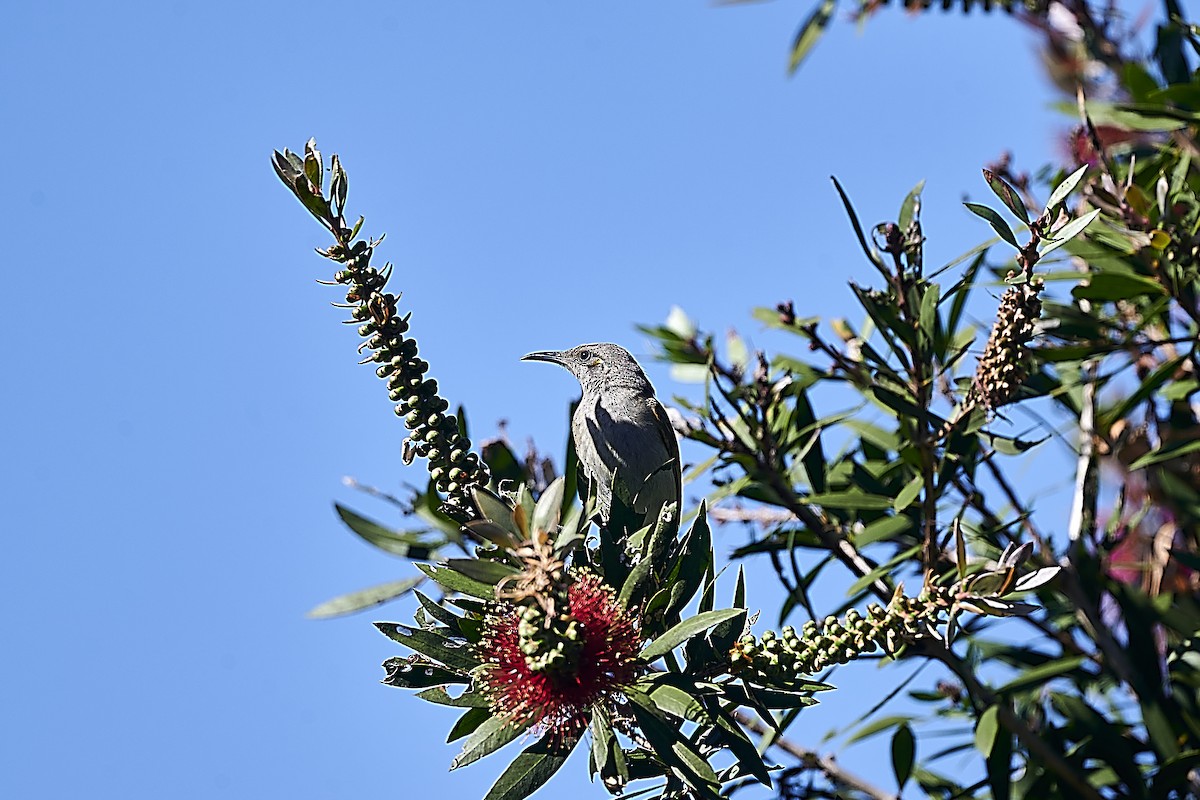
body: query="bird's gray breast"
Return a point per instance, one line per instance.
(625, 432)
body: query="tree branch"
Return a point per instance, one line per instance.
(812, 759)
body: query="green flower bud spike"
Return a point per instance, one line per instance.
(434, 434)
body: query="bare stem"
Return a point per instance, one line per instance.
(811, 759)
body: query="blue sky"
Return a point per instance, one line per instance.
(183, 405)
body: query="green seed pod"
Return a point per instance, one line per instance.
(366, 330)
(434, 454)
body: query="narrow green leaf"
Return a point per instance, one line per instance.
(910, 209)
(881, 571)
(314, 170)
(468, 723)
(339, 186)
(741, 747)
(530, 770)
(985, 730)
(548, 511)
(1173, 450)
(407, 673)
(870, 253)
(486, 739)
(454, 581)
(406, 545)
(454, 653)
(675, 700)
(810, 32)
(960, 548)
(1069, 231)
(604, 743)
(671, 746)
(904, 748)
(850, 500)
(495, 510)
(1065, 188)
(1008, 445)
(739, 589)
(878, 725)
(365, 598)
(439, 612)
(1039, 675)
(482, 569)
(961, 291)
(996, 221)
(929, 315)
(696, 553)
(906, 496)
(882, 529)
(686, 630)
(1117, 286)
(1007, 194)
(441, 697)
(773, 698)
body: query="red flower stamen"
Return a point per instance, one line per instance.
(562, 699)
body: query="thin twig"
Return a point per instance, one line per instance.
(1082, 526)
(812, 759)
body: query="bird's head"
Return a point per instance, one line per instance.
(598, 366)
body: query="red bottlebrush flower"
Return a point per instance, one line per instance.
(561, 698)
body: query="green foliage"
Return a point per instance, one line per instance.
(1062, 651)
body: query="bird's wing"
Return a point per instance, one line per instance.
(634, 439)
(666, 433)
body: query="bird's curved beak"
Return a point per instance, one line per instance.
(551, 356)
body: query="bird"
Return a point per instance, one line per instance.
(620, 428)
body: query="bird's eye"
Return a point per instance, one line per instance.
(586, 355)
